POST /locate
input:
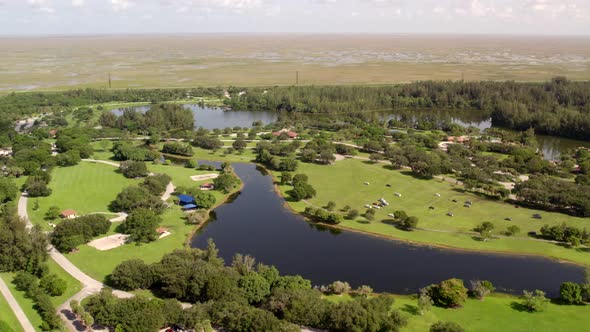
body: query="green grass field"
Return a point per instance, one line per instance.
(86, 188)
(494, 313)
(87, 258)
(7, 316)
(343, 184)
(27, 304)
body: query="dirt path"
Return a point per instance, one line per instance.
(101, 162)
(18, 311)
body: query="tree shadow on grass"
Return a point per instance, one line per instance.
(363, 221)
(411, 309)
(518, 307)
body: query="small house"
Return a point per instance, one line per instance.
(68, 214)
(290, 134)
(6, 152)
(161, 230)
(207, 186)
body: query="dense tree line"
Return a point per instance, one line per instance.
(160, 117)
(551, 193)
(15, 105)
(20, 249)
(123, 150)
(559, 107)
(244, 296)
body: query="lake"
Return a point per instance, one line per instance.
(215, 117)
(257, 223)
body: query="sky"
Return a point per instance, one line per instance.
(519, 17)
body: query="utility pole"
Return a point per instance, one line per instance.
(462, 76)
(297, 77)
(109, 80)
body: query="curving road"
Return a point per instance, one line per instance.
(90, 286)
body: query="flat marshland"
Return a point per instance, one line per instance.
(140, 61)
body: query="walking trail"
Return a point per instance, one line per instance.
(18, 311)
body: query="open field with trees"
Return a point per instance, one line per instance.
(497, 312)
(86, 188)
(343, 183)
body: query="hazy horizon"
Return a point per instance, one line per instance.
(479, 17)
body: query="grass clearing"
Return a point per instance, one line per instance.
(343, 184)
(86, 188)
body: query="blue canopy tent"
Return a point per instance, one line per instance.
(185, 199)
(189, 207)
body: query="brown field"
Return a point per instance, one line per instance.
(209, 60)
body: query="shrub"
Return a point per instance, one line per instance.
(339, 287)
(534, 301)
(446, 327)
(481, 288)
(177, 148)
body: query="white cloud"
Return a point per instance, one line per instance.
(121, 5)
(78, 3)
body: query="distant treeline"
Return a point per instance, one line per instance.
(16, 105)
(559, 107)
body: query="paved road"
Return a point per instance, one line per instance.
(89, 285)
(18, 311)
(169, 190)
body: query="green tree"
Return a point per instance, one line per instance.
(571, 293)
(53, 285)
(204, 199)
(331, 206)
(424, 301)
(286, 178)
(449, 293)
(485, 230)
(141, 225)
(133, 169)
(352, 214)
(52, 213)
(239, 144)
(226, 182)
(132, 274)
(446, 327)
(255, 286)
(8, 190)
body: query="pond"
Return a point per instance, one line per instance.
(551, 146)
(214, 117)
(257, 223)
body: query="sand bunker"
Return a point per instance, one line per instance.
(204, 177)
(109, 242)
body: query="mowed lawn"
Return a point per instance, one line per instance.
(87, 257)
(495, 313)
(344, 181)
(7, 315)
(87, 188)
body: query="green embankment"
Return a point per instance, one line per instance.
(344, 181)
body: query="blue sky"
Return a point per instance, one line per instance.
(547, 17)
